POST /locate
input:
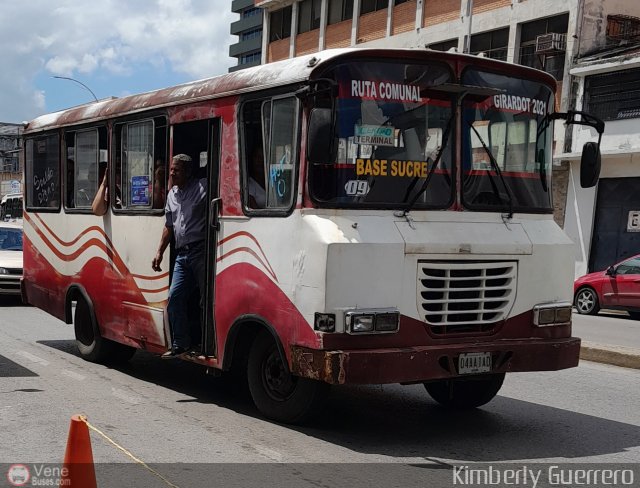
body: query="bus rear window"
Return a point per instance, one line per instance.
(41, 172)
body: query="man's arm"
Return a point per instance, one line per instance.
(165, 239)
(100, 202)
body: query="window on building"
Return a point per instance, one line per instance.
(250, 12)
(270, 153)
(85, 166)
(42, 166)
(372, 5)
(444, 45)
(280, 24)
(308, 15)
(398, 2)
(494, 43)
(340, 10)
(614, 96)
(141, 148)
(251, 58)
(252, 34)
(552, 59)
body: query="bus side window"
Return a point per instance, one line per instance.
(140, 165)
(85, 166)
(281, 179)
(269, 141)
(253, 152)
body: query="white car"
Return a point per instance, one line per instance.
(10, 258)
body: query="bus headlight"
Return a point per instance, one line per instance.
(361, 323)
(372, 321)
(550, 314)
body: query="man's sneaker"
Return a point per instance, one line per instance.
(173, 353)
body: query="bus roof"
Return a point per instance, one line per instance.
(260, 77)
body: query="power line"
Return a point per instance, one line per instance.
(80, 83)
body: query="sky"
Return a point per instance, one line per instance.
(115, 47)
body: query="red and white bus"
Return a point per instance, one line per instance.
(404, 233)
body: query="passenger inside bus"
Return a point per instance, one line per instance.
(70, 176)
(159, 187)
(256, 181)
(101, 199)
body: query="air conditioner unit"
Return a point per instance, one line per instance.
(550, 43)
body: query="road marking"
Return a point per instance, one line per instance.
(73, 374)
(33, 358)
(123, 395)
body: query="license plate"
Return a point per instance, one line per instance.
(474, 362)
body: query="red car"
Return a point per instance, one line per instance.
(618, 287)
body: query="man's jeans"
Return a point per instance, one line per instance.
(188, 275)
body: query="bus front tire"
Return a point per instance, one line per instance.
(91, 345)
(278, 394)
(467, 393)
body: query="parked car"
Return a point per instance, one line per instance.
(617, 287)
(10, 258)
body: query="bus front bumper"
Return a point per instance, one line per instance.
(425, 363)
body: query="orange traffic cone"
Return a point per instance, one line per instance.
(78, 470)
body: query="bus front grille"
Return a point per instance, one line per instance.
(457, 297)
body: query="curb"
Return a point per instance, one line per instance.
(626, 357)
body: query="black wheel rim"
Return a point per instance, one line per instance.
(277, 381)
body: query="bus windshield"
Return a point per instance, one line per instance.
(508, 128)
(393, 130)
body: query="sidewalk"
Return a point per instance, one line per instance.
(609, 338)
(627, 357)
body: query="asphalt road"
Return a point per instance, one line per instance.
(170, 412)
(608, 327)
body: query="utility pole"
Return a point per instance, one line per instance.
(469, 18)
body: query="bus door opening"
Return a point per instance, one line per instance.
(200, 141)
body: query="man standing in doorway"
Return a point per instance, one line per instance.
(185, 214)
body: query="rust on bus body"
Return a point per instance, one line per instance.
(261, 77)
(417, 364)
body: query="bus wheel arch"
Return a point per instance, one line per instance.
(89, 341)
(278, 394)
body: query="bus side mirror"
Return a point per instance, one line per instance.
(590, 165)
(321, 146)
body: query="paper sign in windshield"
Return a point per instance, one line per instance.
(374, 135)
(140, 190)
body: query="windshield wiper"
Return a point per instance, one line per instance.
(425, 184)
(496, 168)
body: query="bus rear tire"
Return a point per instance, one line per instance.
(91, 345)
(278, 394)
(467, 393)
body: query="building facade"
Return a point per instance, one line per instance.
(10, 167)
(248, 49)
(604, 221)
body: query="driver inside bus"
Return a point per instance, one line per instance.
(185, 212)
